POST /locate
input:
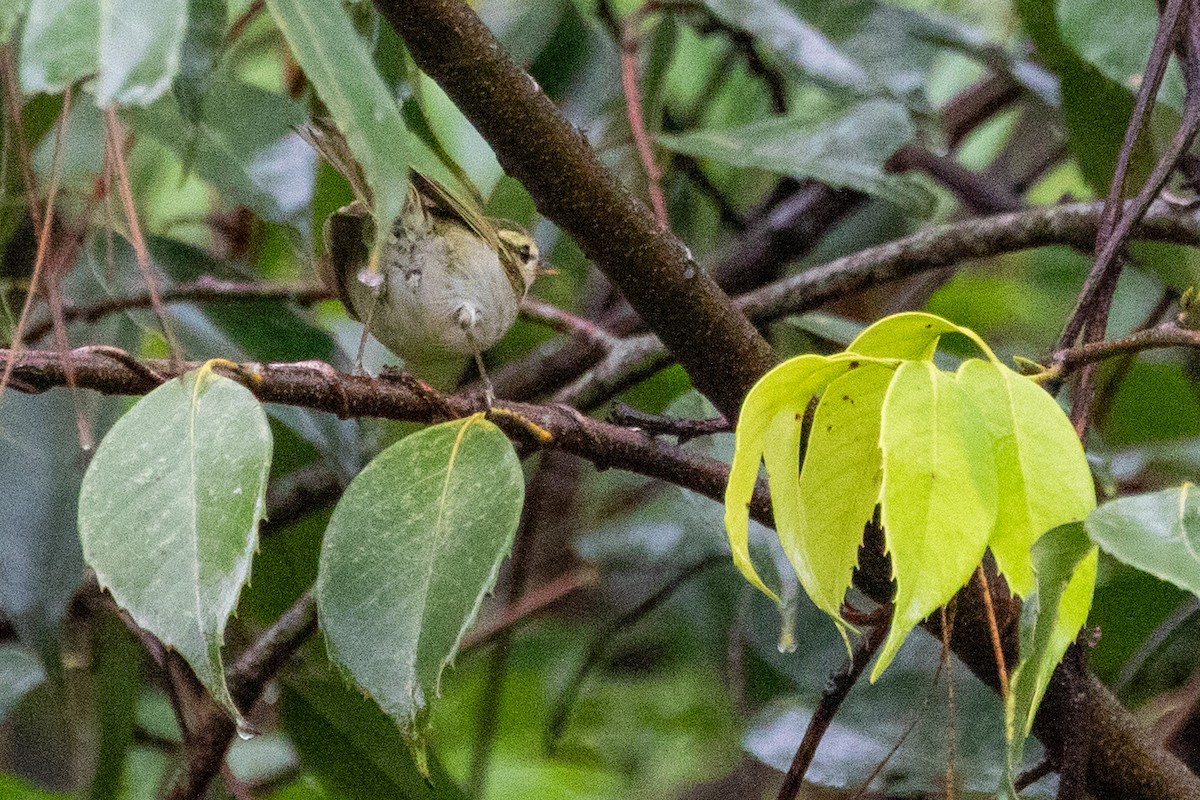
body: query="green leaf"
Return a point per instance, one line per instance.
(1096, 109)
(169, 513)
(1116, 38)
(355, 749)
(938, 496)
(40, 561)
(781, 31)
(1065, 563)
(198, 55)
(1158, 533)
(140, 42)
(412, 548)
(1043, 475)
(116, 658)
(10, 15)
(60, 44)
(20, 671)
(244, 145)
(334, 58)
(132, 47)
(847, 151)
(911, 335)
(774, 405)
(842, 461)
(14, 788)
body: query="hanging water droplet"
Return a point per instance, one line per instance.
(245, 730)
(689, 272)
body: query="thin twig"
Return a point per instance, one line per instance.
(534, 602)
(946, 614)
(566, 700)
(565, 322)
(12, 107)
(43, 239)
(836, 690)
(203, 289)
(684, 430)
(637, 117)
(115, 147)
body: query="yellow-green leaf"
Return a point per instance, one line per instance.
(1042, 473)
(839, 486)
(938, 496)
(1065, 563)
(775, 405)
(913, 335)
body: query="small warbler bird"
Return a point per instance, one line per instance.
(448, 281)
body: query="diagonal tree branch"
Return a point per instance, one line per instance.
(536, 145)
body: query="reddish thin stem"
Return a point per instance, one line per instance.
(993, 630)
(113, 138)
(637, 119)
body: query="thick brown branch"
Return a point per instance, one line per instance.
(536, 145)
(945, 245)
(316, 386)
(934, 248)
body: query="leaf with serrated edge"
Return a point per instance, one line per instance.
(1042, 472)
(839, 485)
(938, 496)
(774, 404)
(169, 512)
(412, 548)
(1158, 533)
(1065, 565)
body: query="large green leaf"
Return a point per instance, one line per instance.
(132, 47)
(353, 746)
(846, 151)
(801, 44)
(334, 58)
(1065, 564)
(412, 548)
(1116, 38)
(842, 461)
(169, 513)
(1095, 108)
(140, 42)
(40, 561)
(1158, 533)
(1043, 474)
(59, 45)
(938, 495)
(774, 406)
(243, 143)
